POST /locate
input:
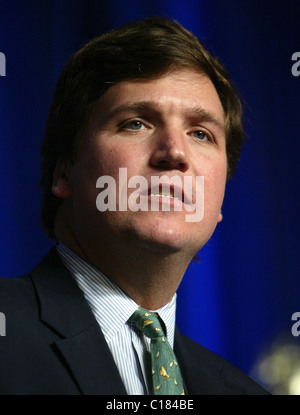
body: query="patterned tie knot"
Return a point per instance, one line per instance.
(148, 323)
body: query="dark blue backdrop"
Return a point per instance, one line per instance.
(242, 294)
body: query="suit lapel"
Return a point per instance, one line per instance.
(82, 346)
(91, 363)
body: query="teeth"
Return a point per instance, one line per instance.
(162, 194)
(171, 196)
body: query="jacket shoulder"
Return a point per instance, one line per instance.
(15, 291)
(18, 297)
(227, 378)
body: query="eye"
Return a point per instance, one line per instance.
(134, 125)
(202, 135)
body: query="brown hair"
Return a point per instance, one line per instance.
(143, 49)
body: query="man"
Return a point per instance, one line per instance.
(145, 101)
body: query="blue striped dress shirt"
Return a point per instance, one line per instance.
(130, 349)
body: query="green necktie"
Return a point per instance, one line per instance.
(166, 375)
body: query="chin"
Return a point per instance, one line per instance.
(162, 237)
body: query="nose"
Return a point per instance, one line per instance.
(169, 150)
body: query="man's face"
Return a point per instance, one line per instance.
(172, 126)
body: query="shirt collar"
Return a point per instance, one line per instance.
(106, 299)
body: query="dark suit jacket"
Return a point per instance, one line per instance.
(53, 344)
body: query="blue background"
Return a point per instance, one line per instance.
(242, 294)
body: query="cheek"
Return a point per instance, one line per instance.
(107, 157)
(94, 162)
(214, 187)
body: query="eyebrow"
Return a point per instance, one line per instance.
(207, 116)
(194, 112)
(134, 106)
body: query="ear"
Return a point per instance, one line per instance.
(220, 217)
(61, 185)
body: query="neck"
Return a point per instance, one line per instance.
(149, 277)
(151, 281)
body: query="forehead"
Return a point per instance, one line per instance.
(180, 91)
